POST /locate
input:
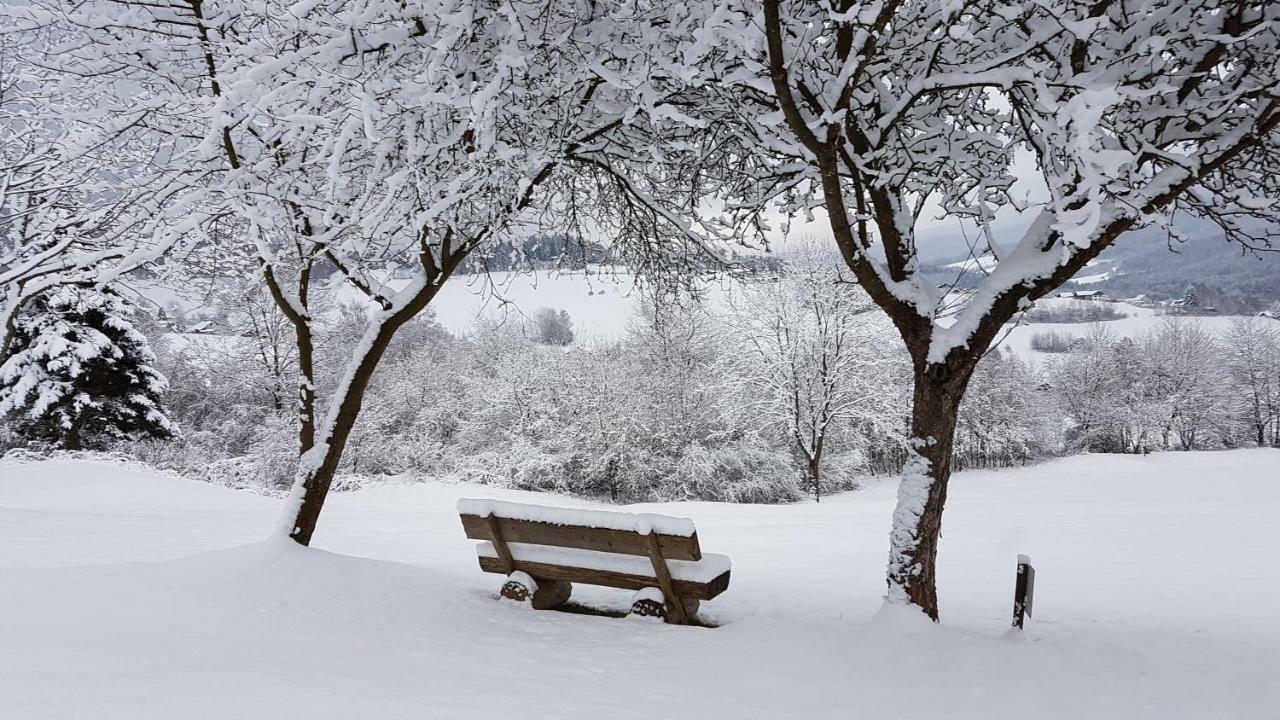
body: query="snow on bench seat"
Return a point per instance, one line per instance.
(703, 571)
(642, 523)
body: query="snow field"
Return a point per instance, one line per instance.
(128, 594)
(601, 304)
(1141, 320)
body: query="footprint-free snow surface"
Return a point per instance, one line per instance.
(131, 595)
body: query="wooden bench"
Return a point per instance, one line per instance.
(550, 548)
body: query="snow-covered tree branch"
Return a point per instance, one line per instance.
(887, 113)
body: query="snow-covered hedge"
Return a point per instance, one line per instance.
(734, 474)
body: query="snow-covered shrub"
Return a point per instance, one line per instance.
(520, 465)
(841, 471)
(240, 473)
(266, 463)
(1007, 417)
(532, 469)
(734, 474)
(635, 477)
(1075, 311)
(1052, 342)
(1166, 388)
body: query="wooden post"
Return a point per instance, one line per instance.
(500, 545)
(675, 608)
(1024, 590)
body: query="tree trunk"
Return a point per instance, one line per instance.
(815, 477)
(917, 519)
(71, 441)
(306, 386)
(319, 464)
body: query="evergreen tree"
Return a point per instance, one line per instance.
(78, 370)
(1192, 297)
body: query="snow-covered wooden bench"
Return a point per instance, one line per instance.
(543, 550)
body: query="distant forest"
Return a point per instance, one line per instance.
(563, 252)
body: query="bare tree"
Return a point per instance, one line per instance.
(385, 143)
(1253, 359)
(887, 113)
(1189, 380)
(552, 327)
(75, 187)
(803, 348)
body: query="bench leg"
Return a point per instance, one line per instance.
(541, 594)
(651, 604)
(551, 594)
(690, 608)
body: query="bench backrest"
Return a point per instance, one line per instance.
(610, 532)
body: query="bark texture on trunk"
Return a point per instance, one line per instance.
(306, 387)
(71, 441)
(922, 493)
(320, 463)
(815, 476)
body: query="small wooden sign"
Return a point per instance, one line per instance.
(1024, 590)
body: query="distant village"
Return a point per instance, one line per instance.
(1188, 304)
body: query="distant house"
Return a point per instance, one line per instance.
(1084, 295)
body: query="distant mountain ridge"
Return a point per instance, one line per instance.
(1225, 275)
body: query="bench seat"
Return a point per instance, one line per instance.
(701, 579)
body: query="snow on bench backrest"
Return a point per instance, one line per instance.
(598, 530)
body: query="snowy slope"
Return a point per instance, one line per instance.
(600, 304)
(980, 265)
(125, 594)
(1139, 321)
(1092, 278)
(600, 301)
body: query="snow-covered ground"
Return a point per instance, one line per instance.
(977, 265)
(600, 302)
(1140, 320)
(127, 594)
(1091, 279)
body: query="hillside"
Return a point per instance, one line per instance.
(126, 595)
(1225, 276)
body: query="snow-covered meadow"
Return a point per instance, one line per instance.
(602, 303)
(129, 594)
(1138, 321)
